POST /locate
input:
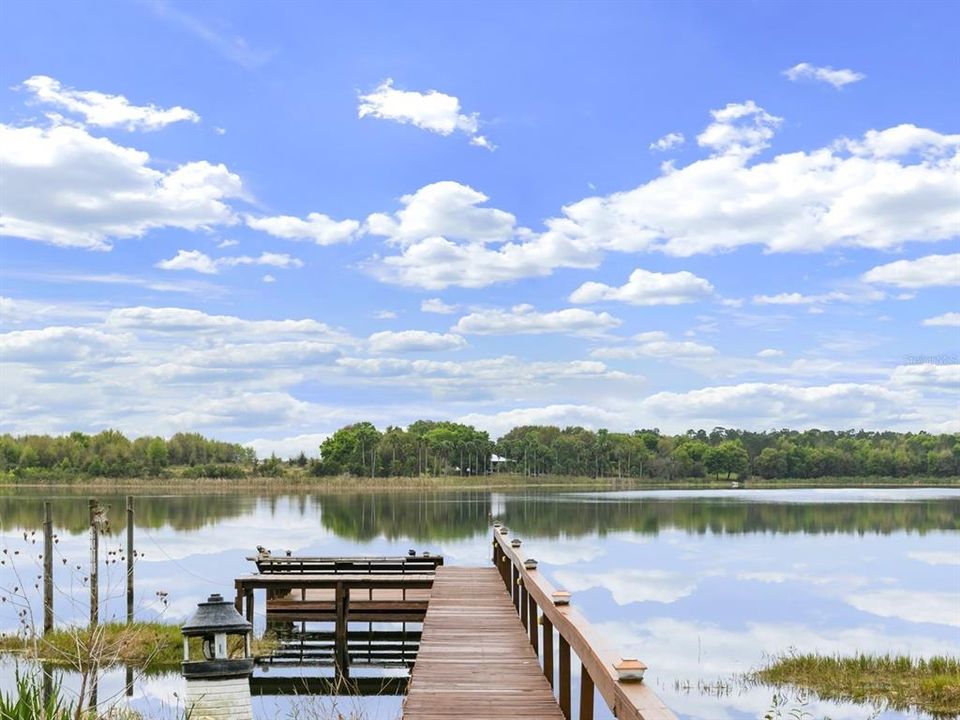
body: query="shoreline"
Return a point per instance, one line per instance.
(306, 483)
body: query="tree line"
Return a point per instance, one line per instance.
(432, 448)
(446, 448)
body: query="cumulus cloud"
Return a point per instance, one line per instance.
(404, 341)
(202, 263)
(668, 141)
(438, 306)
(930, 271)
(770, 353)
(880, 191)
(289, 447)
(927, 375)
(53, 344)
(739, 129)
(443, 209)
(826, 74)
(779, 405)
(655, 344)
(629, 586)
(949, 319)
(317, 228)
(527, 320)
(103, 110)
(434, 111)
(647, 288)
(562, 415)
(61, 185)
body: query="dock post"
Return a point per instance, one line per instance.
(515, 587)
(47, 567)
(524, 606)
(129, 559)
(565, 677)
(548, 649)
(586, 694)
(532, 616)
(341, 652)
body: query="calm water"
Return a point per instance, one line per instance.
(701, 585)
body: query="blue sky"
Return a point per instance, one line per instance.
(264, 221)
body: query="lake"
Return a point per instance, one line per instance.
(700, 584)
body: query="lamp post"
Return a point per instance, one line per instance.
(218, 685)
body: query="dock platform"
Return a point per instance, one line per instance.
(475, 660)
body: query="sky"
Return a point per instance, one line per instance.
(264, 221)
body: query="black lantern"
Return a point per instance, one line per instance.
(214, 622)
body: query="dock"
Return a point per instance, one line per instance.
(475, 661)
(495, 643)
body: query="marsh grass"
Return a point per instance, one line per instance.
(901, 682)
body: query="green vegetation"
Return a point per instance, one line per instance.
(145, 645)
(428, 449)
(903, 683)
(29, 701)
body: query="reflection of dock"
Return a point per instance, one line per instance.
(481, 645)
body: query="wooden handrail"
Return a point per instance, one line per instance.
(628, 700)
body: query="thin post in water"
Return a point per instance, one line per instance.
(47, 567)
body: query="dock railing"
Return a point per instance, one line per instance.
(539, 603)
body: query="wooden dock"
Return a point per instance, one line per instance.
(496, 643)
(475, 661)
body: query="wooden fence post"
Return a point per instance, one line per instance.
(47, 567)
(130, 552)
(586, 694)
(548, 649)
(565, 677)
(94, 564)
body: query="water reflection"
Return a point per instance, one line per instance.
(701, 585)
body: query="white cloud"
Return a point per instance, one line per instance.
(631, 586)
(930, 271)
(434, 111)
(63, 186)
(438, 306)
(950, 319)
(190, 260)
(927, 375)
(770, 353)
(668, 141)
(910, 605)
(384, 315)
(289, 447)
(891, 187)
(227, 243)
(837, 78)
(526, 320)
(739, 129)
(780, 405)
(443, 209)
(317, 228)
(268, 278)
(647, 288)
(562, 415)
(404, 341)
(795, 298)
(202, 263)
(57, 344)
(103, 110)
(655, 344)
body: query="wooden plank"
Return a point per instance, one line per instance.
(475, 661)
(290, 581)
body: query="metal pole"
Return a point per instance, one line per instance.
(129, 559)
(47, 568)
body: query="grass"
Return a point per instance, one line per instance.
(901, 682)
(146, 645)
(149, 646)
(295, 479)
